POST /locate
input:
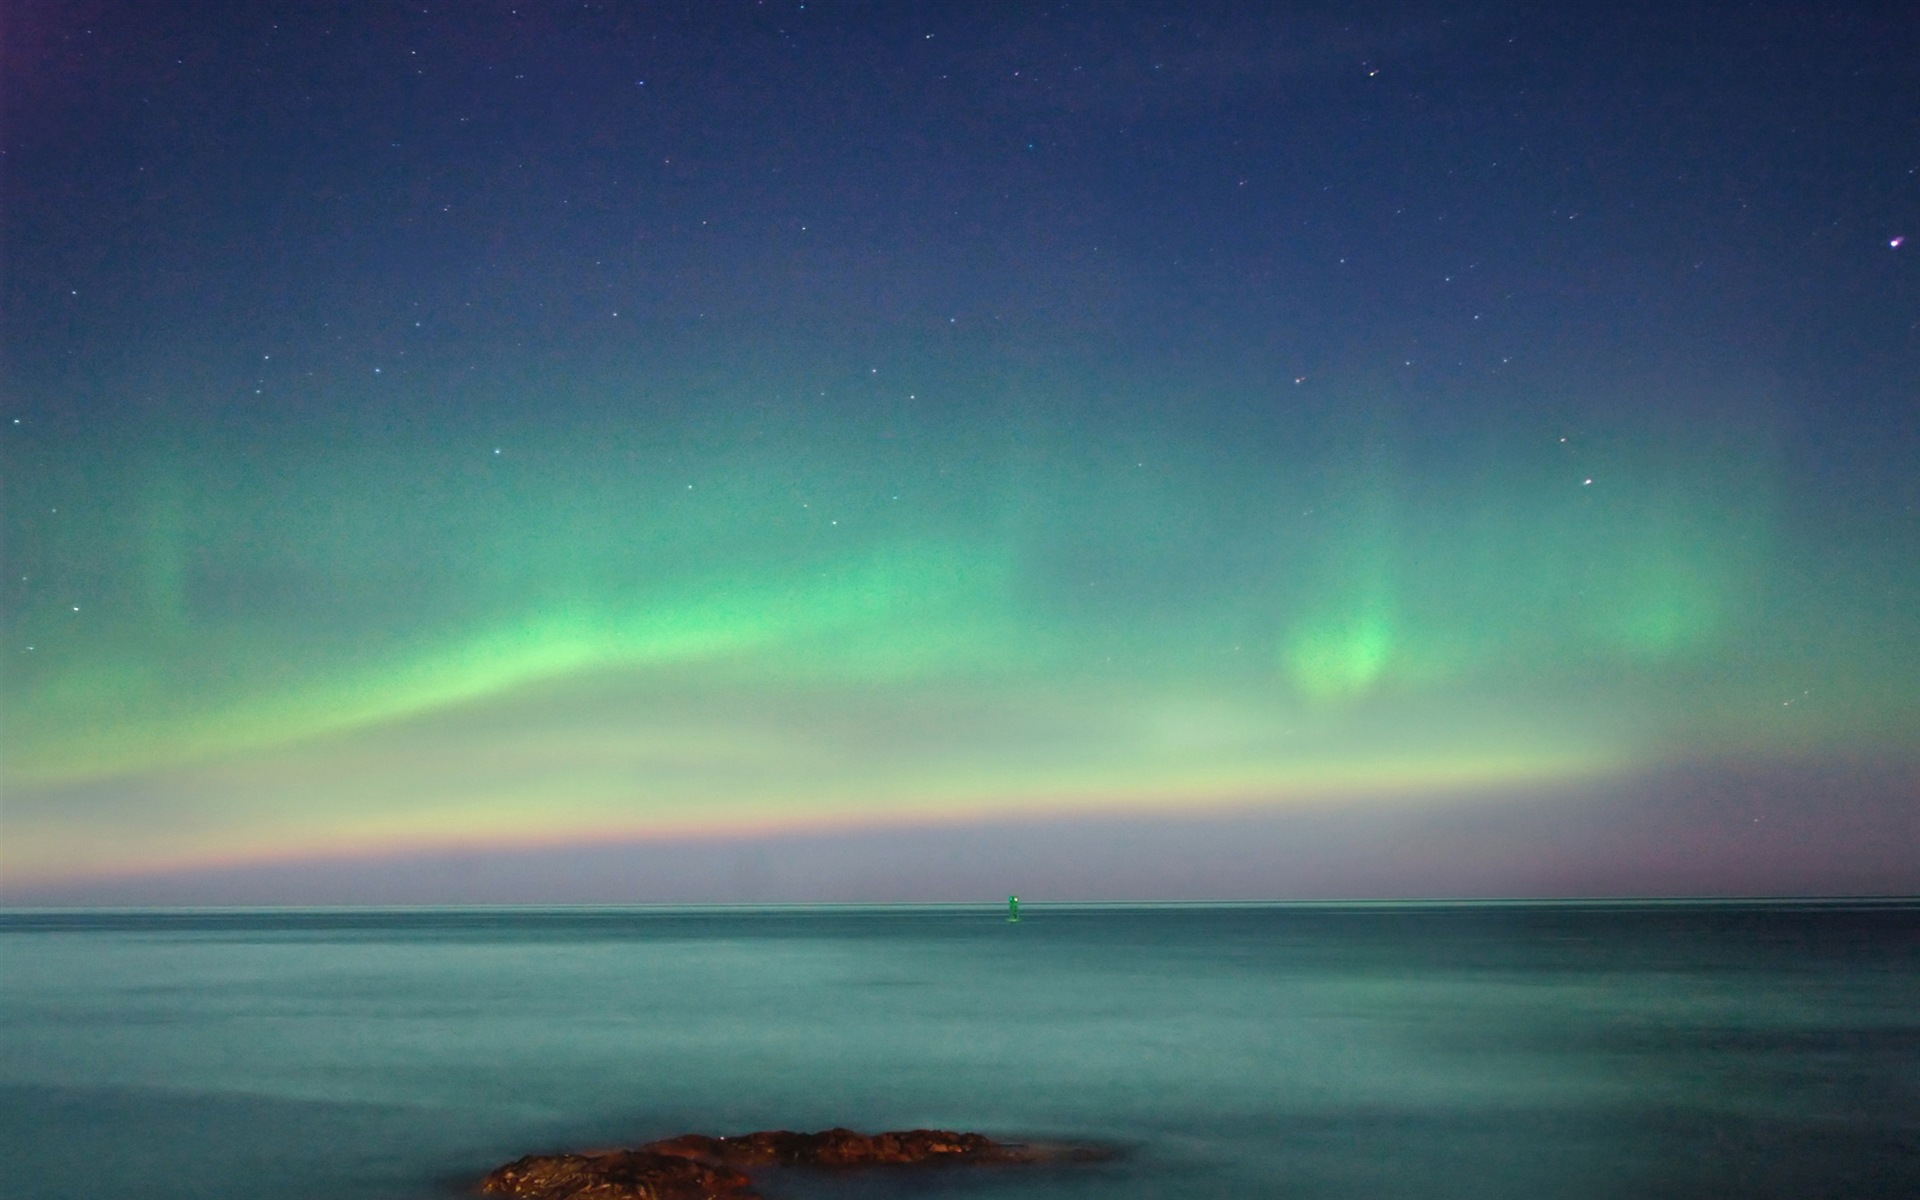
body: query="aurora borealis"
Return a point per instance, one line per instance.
(487, 429)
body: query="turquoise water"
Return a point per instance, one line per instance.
(1286, 1051)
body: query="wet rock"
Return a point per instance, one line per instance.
(695, 1166)
(621, 1175)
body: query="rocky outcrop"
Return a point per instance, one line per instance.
(621, 1175)
(697, 1167)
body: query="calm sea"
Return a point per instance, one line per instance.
(1484, 1051)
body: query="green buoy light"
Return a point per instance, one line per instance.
(1013, 908)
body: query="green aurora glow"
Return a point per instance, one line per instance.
(1001, 597)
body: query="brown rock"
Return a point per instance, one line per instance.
(621, 1175)
(697, 1167)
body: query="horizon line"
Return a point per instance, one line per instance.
(1875, 900)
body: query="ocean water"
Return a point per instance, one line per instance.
(1484, 1051)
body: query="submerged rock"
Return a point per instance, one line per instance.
(695, 1166)
(837, 1148)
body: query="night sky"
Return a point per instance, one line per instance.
(463, 451)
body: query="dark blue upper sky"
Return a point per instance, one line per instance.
(1238, 187)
